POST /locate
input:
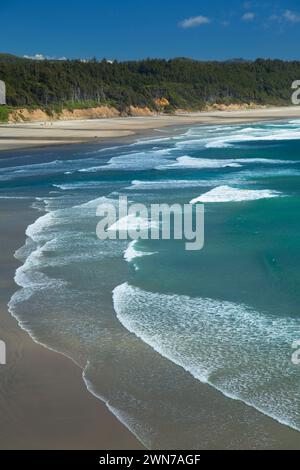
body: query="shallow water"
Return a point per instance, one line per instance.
(127, 312)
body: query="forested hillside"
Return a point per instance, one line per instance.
(182, 83)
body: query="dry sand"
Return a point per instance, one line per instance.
(44, 403)
(37, 134)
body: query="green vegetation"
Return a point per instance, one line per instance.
(185, 83)
(4, 112)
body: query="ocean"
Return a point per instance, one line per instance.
(148, 321)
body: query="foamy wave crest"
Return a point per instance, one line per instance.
(78, 185)
(254, 135)
(165, 184)
(228, 194)
(132, 222)
(150, 141)
(204, 335)
(133, 252)
(190, 162)
(30, 277)
(132, 161)
(52, 242)
(225, 137)
(16, 197)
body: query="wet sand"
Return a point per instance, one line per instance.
(39, 134)
(44, 403)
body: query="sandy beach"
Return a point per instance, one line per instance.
(39, 134)
(44, 403)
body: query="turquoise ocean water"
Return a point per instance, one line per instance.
(148, 320)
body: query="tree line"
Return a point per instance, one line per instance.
(184, 83)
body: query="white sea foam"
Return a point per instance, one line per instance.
(204, 335)
(101, 150)
(225, 137)
(53, 242)
(165, 184)
(132, 252)
(254, 135)
(16, 197)
(65, 167)
(251, 174)
(132, 161)
(191, 162)
(265, 161)
(10, 173)
(132, 222)
(78, 185)
(228, 194)
(29, 275)
(151, 141)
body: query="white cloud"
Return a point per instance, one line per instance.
(194, 21)
(42, 57)
(35, 57)
(286, 16)
(248, 16)
(291, 16)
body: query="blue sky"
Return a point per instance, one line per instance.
(132, 29)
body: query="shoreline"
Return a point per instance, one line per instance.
(99, 131)
(64, 414)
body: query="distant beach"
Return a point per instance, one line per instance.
(40, 134)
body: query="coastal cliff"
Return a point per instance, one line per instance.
(98, 112)
(105, 112)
